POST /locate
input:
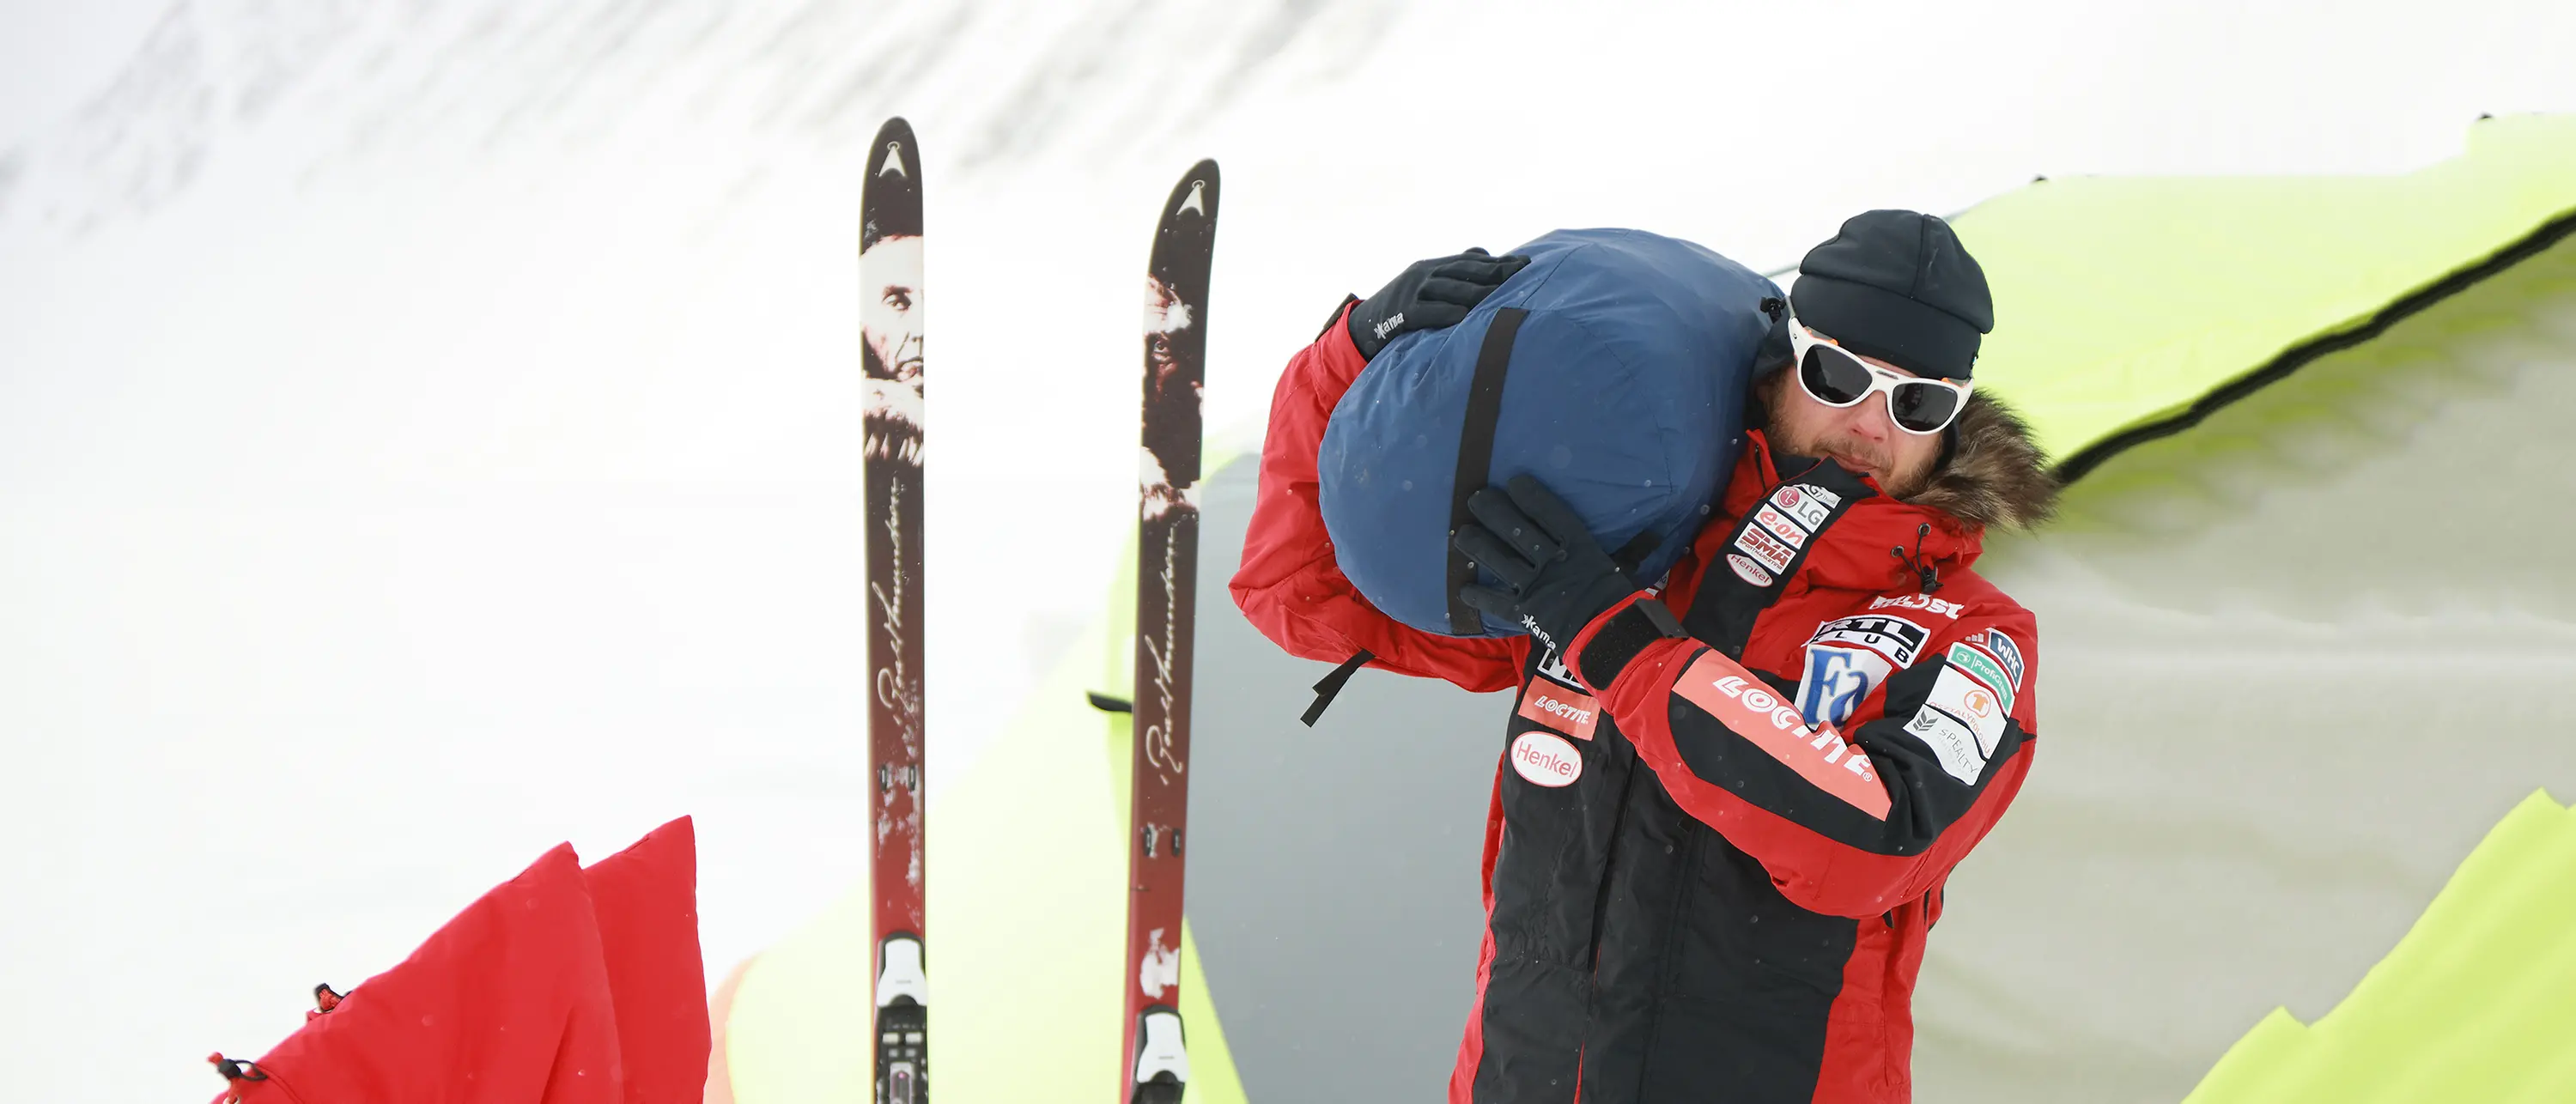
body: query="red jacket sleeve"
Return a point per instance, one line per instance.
(1288, 585)
(1847, 823)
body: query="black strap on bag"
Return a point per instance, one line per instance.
(1634, 553)
(1475, 469)
(1476, 455)
(1330, 686)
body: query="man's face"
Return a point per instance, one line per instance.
(1860, 437)
(891, 308)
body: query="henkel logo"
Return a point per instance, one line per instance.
(1726, 691)
(1558, 708)
(1545, 759)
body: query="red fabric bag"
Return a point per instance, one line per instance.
(539, 991)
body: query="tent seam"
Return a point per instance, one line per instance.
(2094, 455)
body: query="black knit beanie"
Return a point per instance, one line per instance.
(1897, 285)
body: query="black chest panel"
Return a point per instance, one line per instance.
(1635, 949)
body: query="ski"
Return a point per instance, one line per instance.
(890, 329)
(1157, 1066)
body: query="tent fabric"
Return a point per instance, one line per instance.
(2474, 1004)
(2302, 658)
(1026, 913)
(2272, 638)
(2122, 302)
(1027, 853)
(2266, 641)
(544, 989)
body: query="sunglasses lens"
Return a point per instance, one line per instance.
(1832, 376)
(1922, 406)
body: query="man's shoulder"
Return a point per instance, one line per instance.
(1993, 640)
(1981, 597)
(1964, 606)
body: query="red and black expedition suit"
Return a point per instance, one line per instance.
(1692, 892)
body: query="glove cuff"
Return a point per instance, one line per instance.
(1613, 640)
(1340, 312)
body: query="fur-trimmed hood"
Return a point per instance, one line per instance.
(1995, 475)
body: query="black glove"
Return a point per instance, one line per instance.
(1560, 579)
(1429, 295)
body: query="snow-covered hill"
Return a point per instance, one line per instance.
(428, 429)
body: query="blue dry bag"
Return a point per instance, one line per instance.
(1613, 368)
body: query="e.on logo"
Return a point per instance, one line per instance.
(1726, 691)
(1545, 759)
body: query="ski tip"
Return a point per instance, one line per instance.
(1196, 191)
(1107, 704)
(894, 153)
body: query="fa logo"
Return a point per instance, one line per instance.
(1837, 681)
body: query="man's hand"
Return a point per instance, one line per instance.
(1430, 295)
(1559, 578)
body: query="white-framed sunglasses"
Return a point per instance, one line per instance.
(1838, 377)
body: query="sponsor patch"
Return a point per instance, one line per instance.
(1970, 702)
(1987, 669)
(1553, 666)
(1545, 759)
(1810, 505)
(1780, 526)
(1923, 602)
(1896, 638)
(1748, 570)
(1747, 708)
(2005, 652)
(1839, 677)
(1561, 709)
(1950, 741)
(1766, 548)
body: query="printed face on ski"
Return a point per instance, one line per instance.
(1166, 315)
(1860, 437)
(891, 310)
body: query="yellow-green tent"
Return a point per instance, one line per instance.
(2301, 622)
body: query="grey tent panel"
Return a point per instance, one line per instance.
(1333, 873)
(2297, 661)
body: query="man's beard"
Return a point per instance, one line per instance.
(890, 413)
(1850, 452)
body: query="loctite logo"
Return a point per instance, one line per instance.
(1729, 693)
(1561, 709)
(1546, 703)
(1545, 759)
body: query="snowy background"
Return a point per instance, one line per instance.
(428, 430)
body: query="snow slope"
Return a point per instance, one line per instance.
(427, 430)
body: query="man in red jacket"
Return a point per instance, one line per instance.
(1727, 801)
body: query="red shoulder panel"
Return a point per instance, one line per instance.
(1288, 585)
